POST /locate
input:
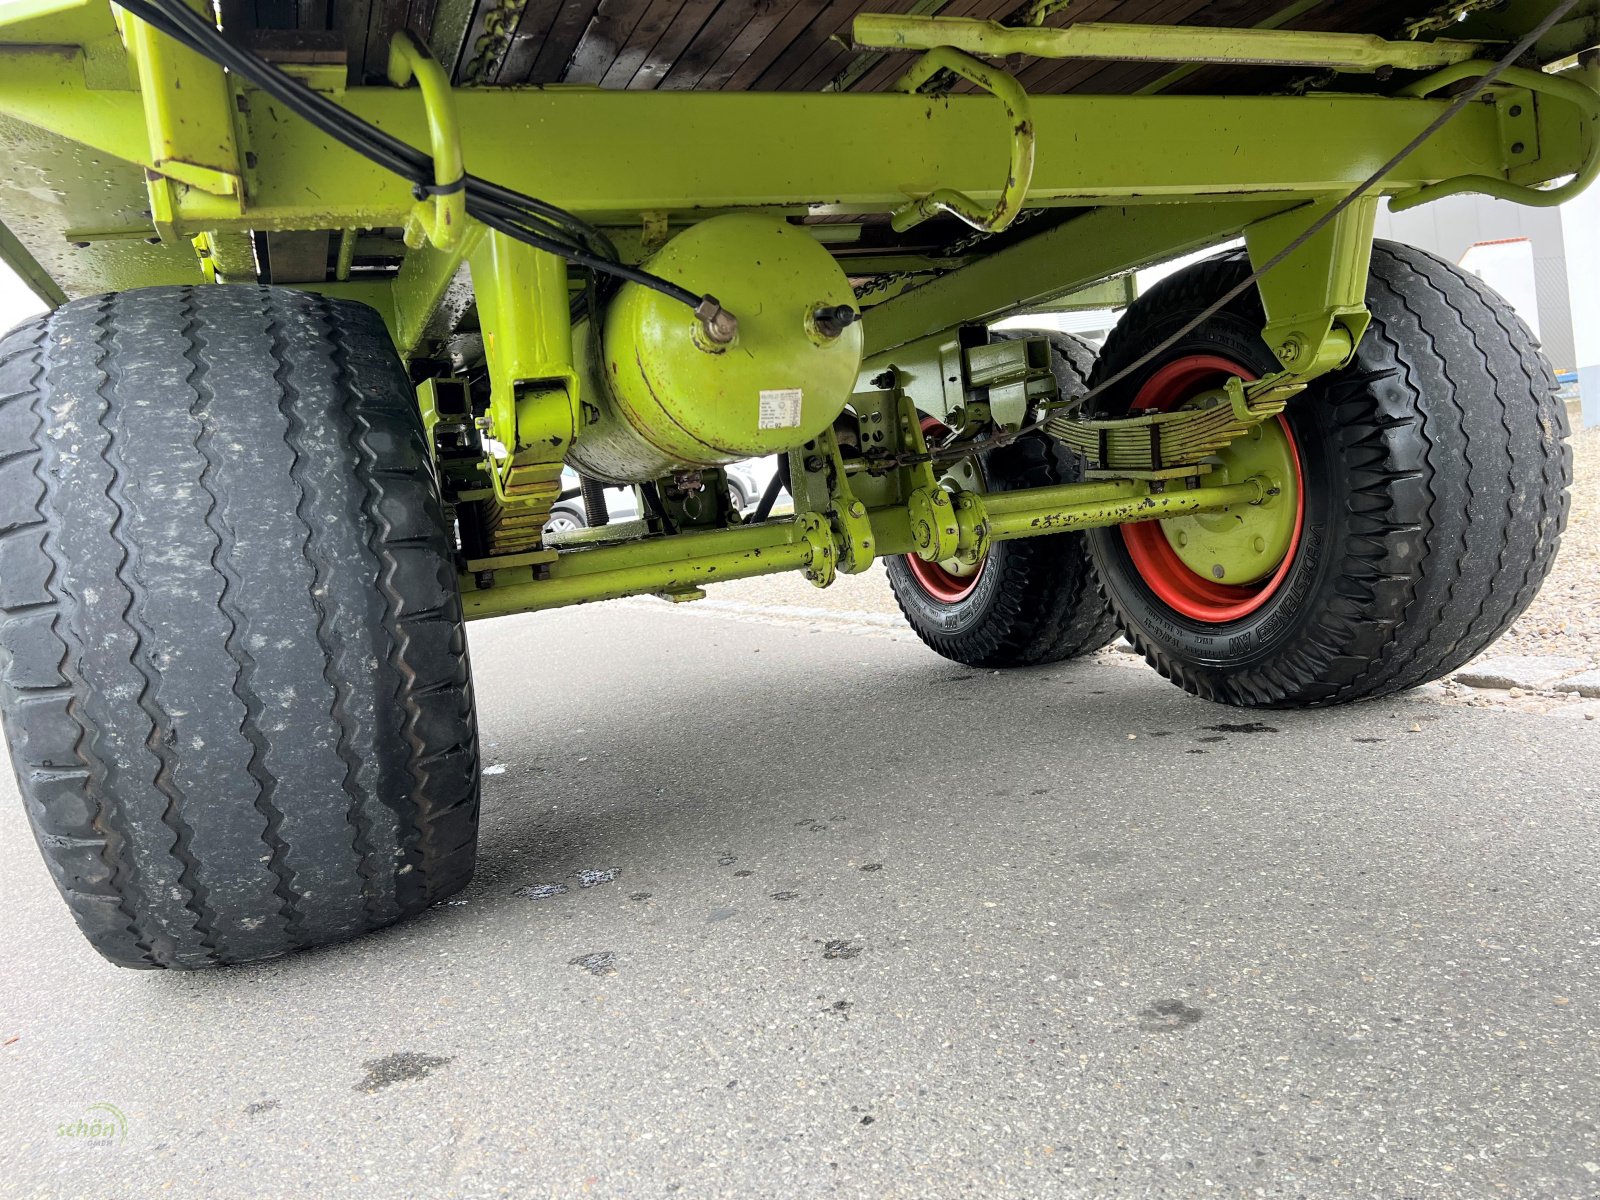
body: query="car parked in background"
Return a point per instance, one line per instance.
(747, 482)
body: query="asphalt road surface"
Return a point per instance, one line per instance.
(780, 911)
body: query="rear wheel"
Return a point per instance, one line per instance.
(1422, 498)
(1027, 602)
(233, 668)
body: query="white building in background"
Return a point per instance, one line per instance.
(1546, 261)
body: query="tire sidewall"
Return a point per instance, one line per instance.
(962, 616)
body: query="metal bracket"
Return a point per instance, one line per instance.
(821, 564)
(846, 514)
(1569, 91)
(935, 531)
(1315, 299)
(1019, 114)
(442, 219)
(1012, 377)
(188, 113)
(533, 388)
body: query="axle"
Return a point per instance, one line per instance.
(678, 565)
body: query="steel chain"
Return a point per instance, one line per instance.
(882, 283)
(498, 24)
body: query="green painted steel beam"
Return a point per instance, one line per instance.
(1074, 255)
(1276, 21)
(1159, 43)
(684, 153)
(620, 156)
(55, 22)
(1054, 510)
(1112, 293)
(662, 564)
(1578, 31)
(431, 293)
(15, 255)
(46, 88)
(189, 112)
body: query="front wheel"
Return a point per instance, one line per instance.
(233, 667)
(1423, 491)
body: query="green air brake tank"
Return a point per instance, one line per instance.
(661, 397)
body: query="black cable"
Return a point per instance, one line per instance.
(403, 159)
(527, 219)
(768, 498)
(1460, 103)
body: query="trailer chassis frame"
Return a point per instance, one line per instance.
(128, 115)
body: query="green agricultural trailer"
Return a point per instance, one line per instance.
(337, 289)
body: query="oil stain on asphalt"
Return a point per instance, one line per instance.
(601, 962)
(542, 891)
(399, 1068)
(1168, 1016)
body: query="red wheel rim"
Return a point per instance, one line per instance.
(944, 586)
(1158, 565)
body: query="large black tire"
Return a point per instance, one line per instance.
(233, 669)
(1036, 600)
(1435, 475)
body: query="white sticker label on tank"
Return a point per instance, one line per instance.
(780, 408)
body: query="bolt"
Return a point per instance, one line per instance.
(832, 320)
(1259, 545)
(1515, 110)
(1517, 147)
(884, 380)
(1183, 539)
(1289, 350)
(1217, 571)
(858, 509)
(813, 462)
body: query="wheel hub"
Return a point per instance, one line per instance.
(950, 579)
(1244, 543)
(1219, 566)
